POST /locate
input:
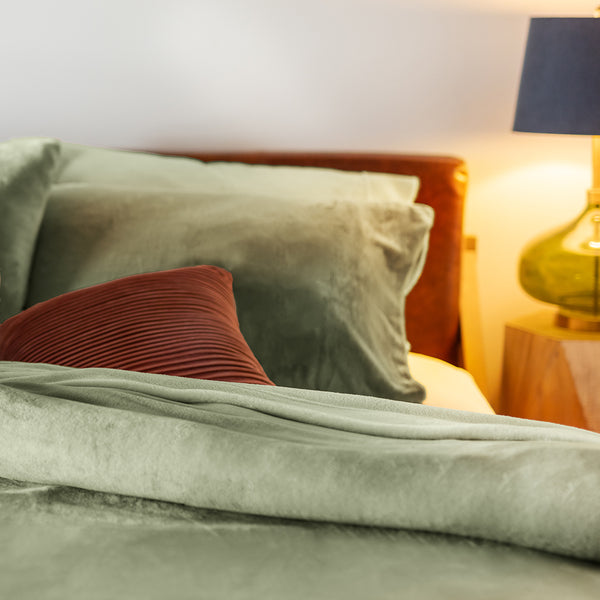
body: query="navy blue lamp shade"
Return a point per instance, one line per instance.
(560, 81)
(560, 93)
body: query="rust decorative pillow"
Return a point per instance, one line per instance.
(179, 322)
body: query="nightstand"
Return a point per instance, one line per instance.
(551, 373)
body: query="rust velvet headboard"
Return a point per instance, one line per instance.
(432, 312)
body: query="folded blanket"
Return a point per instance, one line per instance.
(302, 454)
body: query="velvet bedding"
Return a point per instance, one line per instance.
(125, 484)
(66, 543)
(303, 454)
(284, 453)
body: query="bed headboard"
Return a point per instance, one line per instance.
(432, 312)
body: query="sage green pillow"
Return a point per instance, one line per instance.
(322, 260)
(26, 168)
(139, 170)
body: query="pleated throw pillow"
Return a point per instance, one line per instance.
(179, 322)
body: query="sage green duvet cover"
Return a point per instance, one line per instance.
(127, 485)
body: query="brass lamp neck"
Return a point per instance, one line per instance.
(596, 162)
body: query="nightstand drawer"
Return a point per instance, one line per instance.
(551, 374)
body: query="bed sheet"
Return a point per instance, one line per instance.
(447, 386)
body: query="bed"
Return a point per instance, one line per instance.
(239, 375)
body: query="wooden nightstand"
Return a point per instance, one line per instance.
(550, 373)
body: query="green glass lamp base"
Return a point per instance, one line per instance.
(563, 268)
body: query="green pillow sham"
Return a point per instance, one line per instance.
(26, 169)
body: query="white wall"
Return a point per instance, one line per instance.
(383, 75)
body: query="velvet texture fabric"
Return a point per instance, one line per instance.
(181, 322)
(68, 543)
(26, 169)
(432, 307)
(322, 260)
(303, 454)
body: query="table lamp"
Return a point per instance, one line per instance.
(560, 93)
